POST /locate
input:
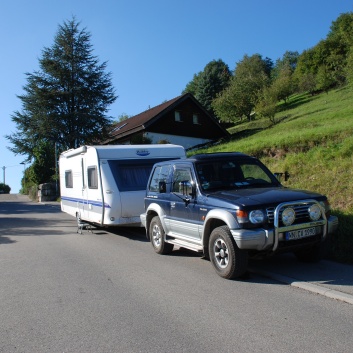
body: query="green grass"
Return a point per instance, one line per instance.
(312, 140)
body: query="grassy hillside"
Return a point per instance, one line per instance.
(313, 141)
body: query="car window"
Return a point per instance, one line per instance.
(233, 173)
(182, 179)
(160, 174)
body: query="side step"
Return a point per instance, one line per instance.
(185, 244)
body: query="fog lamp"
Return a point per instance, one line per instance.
(288, 216)
(314, 212)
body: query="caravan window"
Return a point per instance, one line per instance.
(92, 177)
(68, 179)
(131, 175)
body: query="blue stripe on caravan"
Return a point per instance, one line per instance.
(85, 202)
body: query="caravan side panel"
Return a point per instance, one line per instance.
(106, 185)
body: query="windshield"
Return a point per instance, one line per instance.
(234, 174)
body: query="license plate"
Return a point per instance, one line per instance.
(300, 233)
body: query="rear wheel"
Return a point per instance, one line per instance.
(157, 236)
(228, 260)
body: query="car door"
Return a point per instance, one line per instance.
(183, 210)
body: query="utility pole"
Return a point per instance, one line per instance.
(24, 177)
(56, 170)
(3, 168)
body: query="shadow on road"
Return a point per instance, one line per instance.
(329, 274)
(6, 240)
(131, 233)
(26, 208)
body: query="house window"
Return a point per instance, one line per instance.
(92, 177)
(195, 119)
(68, 179)
(177, 116)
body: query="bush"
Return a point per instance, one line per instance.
(4, 189)
(342, 241)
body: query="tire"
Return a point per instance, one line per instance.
(157, 236)
(228, 260)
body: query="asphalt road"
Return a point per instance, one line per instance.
(109, 292)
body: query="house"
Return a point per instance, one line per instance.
(181, 120)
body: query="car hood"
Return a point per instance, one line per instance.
(264, 196)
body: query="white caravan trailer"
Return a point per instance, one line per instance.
(106, 185)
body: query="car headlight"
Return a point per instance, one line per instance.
(256, 216)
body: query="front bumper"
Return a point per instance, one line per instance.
(266, 239)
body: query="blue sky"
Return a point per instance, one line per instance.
(153, 48)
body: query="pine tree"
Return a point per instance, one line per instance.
(66, 101)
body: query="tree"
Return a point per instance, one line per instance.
(42, 169)
(327, 60)
(206, 85)
(66, 101)
(251, 75)
(233, 103)
(4, 188)
(288, 60)
(349, 68)
(283, 86)
(307, 83)
(192, 86)
(121, 117)
(342, 30)
(324, 80)
(267, 104)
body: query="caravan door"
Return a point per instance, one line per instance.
(83, 203)
(94, 202)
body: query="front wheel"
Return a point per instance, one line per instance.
(157, 236)
(228, 260)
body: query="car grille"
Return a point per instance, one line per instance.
(301, 213)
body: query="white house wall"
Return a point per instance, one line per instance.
(186, 142)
